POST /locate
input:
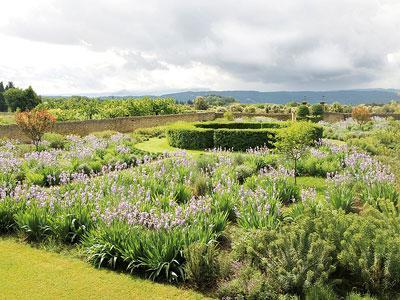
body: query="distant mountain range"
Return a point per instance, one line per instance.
(344, 96)
(356, 96)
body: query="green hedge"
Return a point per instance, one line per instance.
(241, 125)
(228, 135)
(191, 138)
(242, 139)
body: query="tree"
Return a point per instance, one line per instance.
(317, 110)
(337, 107)
(360, 114)
(3, 104)
(35, 123)
(10, 85)
(17, 98)
(302, 112)
(293, 141)
(200, 103)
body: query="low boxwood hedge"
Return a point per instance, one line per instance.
(190, 138)
(228, 135)
(241, 125)
(242, 139)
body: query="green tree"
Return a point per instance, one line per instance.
(3, 104)
(200, 103)
(337, 107)
(294, 141)
(10, 85)
(317, 110)
(302, 112)
(17, 98)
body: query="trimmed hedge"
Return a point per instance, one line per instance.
(240, 125)
(191, 138)
(228, 135)
(242, 139)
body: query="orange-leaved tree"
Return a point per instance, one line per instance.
(360, 114)
(35, 123)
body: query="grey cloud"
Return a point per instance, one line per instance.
(252, 40)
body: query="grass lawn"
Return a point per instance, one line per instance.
(7, 118)
(160, 145)
(313, 182)
(29, 273)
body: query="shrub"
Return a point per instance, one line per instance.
(57, 141)
(317, 110)
(229, 116)
(248, 283)
(302, 112)
(201, 266)
(370, 253)
(294, 259)
(245, 171)
(236, 108)
(360, 114)
(250, 109)
(35, 123)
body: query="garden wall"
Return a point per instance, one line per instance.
(118, 124)
(131, 123)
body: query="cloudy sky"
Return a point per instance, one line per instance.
(156, 46)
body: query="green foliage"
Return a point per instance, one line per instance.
(294, 140)
(370, 253)
(228, 115)
(8, 209)
(202, 266)
(84, 108)
(302, 112)
(341, 196)
(247, 283)
(190, 138)
(216, 100)
(226, 135)
(158, 253)
(56, 140)
(21, 99)
(317, 110)
(3, 104)
(242, 139)
(320, 292)
(35, 224)
(200, 103)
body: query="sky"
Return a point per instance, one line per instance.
(160, 46)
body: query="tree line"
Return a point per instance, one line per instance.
(13, 98)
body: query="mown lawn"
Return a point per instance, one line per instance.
(29, 273)
(160, 145)
(7, 118)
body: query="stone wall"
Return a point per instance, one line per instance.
(118, 124)
(131, 123)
